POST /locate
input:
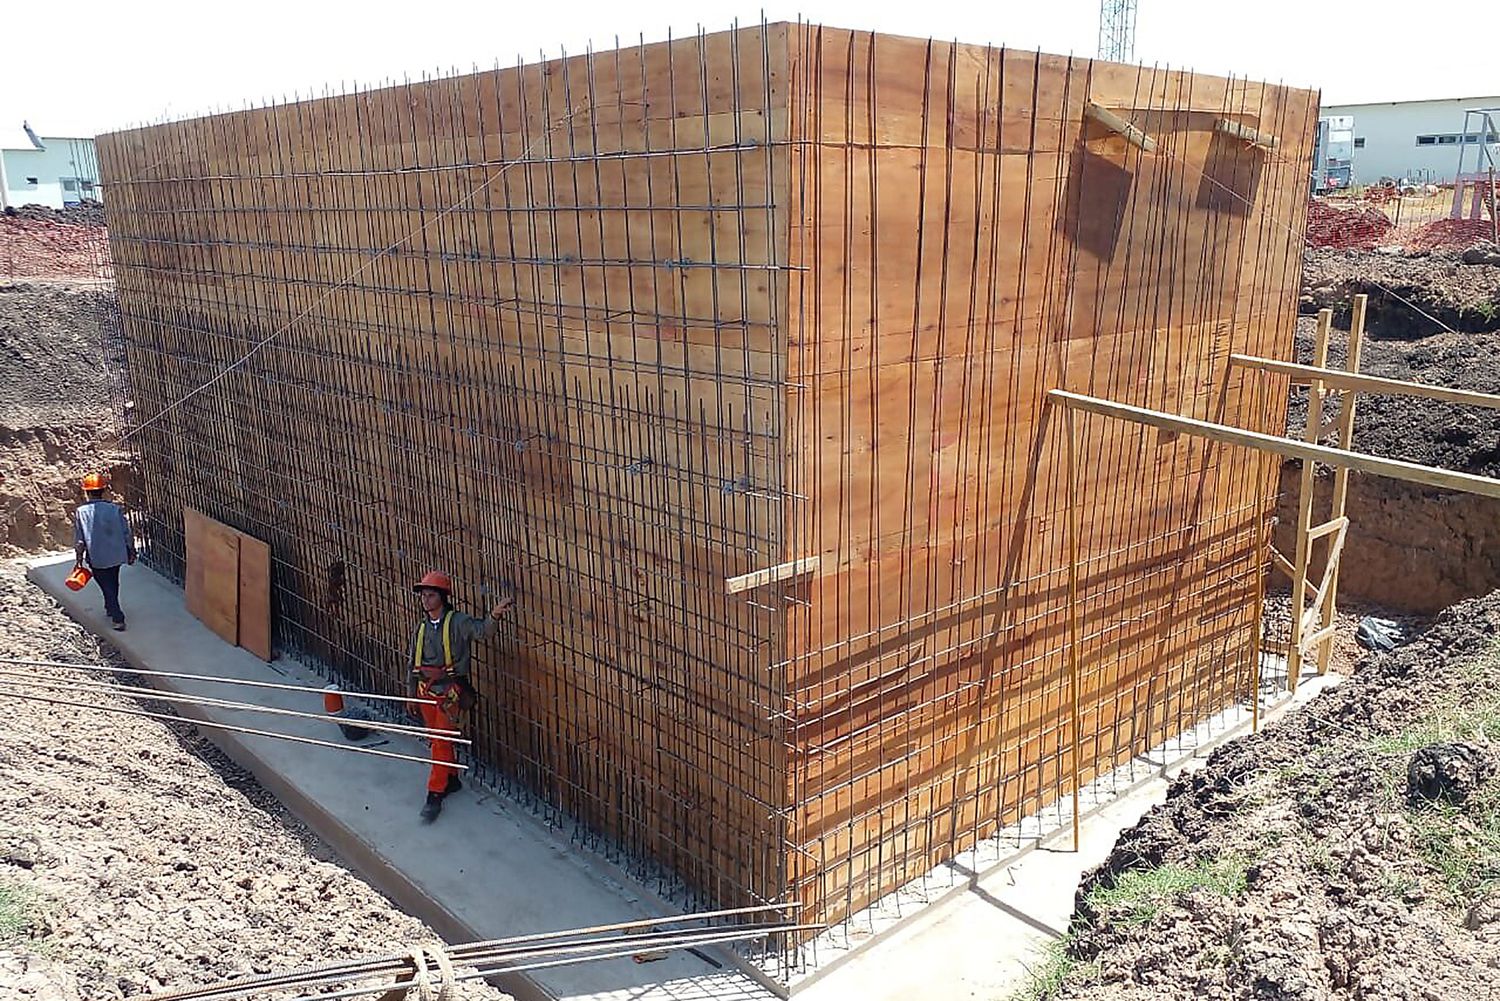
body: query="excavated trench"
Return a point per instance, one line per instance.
(1410, 548)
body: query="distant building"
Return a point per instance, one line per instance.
(1420, 140)
(55, 171)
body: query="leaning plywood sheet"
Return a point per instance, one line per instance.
(255, 596)
(213, 574)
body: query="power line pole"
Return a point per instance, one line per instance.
(1117, 30)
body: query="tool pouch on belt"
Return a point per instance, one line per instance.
(454, 694)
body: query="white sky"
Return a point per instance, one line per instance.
(87, 67)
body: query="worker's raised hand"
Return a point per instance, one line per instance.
(506, 604)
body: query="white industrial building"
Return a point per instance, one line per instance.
(1420, 140)
(55, 171)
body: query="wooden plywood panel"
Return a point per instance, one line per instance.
(255, 597)
(213, 579)
(1044, 252)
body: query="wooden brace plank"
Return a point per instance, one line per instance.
(1339, 379)
(1376, 465)
(1254, 137)
(1328, 528)
(770, 575)
(1311, 640)
(1115, 123)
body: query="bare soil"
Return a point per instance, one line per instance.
(1294, 865)
(145, 859)
(133, 855)
(1402, 288)
(58, 396)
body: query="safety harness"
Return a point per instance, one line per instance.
(452, 693)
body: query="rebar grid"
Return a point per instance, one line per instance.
(980, 242)
(607, 330)
(516, 325)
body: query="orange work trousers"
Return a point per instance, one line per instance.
(434, 718)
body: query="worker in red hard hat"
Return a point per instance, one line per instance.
(102, 538)
(440, 674)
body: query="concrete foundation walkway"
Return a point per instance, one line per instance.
(486, 869)
(489, 868)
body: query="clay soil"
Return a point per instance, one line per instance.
(1410, 547)
(136, 857)
(1294, 866)
(58, 402)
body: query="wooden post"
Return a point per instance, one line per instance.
(1305, 500)
(1073, 671)
(1263, 570)
(1341, 474)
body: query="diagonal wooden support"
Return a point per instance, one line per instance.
(1115, 123)
(1254, 137)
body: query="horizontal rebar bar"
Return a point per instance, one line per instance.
(277, 686)
(138, 691)
(312, 741)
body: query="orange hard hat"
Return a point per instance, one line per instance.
(95, 481)
(435, 579)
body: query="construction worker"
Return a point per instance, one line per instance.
(440, 674)
(102, 539)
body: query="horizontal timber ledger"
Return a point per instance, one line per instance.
(609, 330)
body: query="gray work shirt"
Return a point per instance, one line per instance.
(462, 632)
(100, 528)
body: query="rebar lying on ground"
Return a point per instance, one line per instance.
(514, 954)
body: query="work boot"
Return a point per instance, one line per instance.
(432, 807)
(453, 785)
(119, 625)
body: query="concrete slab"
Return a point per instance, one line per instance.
(486, 869)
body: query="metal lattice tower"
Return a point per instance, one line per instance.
(1117, 30)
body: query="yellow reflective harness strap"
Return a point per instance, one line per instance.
(416, 656)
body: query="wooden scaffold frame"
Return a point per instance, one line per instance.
(1313, 625)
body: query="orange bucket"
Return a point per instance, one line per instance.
(333, 702)
(79, 579)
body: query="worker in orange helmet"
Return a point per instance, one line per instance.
(102, 538)
(440, 674)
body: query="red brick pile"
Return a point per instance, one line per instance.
(1451, 234)
(1346, 229)
(41, 248)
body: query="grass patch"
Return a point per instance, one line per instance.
(1459, 844)
(15, 912)
(1142, 893)
(1056, 968)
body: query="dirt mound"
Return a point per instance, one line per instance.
(59, 367)
(1451, 234)
(138, 857)
(1411, 295)
(59, 354)
(86, 212)
(1293, 866)
(47, 248)
(1346, 228)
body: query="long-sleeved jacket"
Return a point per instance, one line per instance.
(427, 649)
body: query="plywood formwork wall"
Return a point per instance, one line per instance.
(610, 329)
(965, 237)
(519, 325)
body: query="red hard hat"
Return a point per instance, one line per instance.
(435, 579)
(95, 481)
